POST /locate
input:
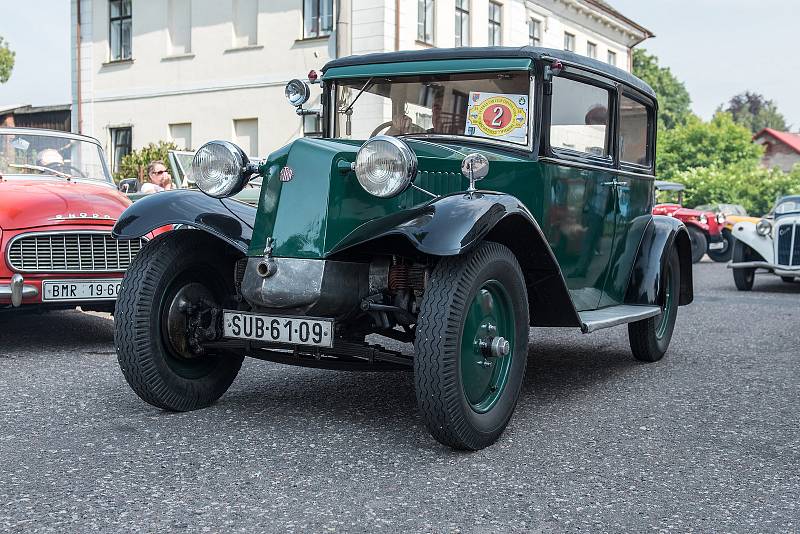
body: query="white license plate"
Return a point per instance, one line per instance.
(66, 290)
(716, 246)
(293, 330)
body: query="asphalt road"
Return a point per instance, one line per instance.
(707, 439)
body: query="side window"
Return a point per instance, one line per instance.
(579, 117)
(634, 132)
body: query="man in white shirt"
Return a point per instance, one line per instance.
(160, 180)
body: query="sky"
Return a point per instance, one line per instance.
(718, 48)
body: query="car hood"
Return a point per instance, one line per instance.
(676, 210)
(31, 203)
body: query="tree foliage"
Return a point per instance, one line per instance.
(696, 144)
(673, 98)
(6, 61)
(755, 112)
(134, 165)
(752, 186)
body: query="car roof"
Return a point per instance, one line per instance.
(532, 52)
(47, 132)
(669, 186)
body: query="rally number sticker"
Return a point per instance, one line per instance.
(498, 116)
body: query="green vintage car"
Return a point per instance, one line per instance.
(457, 197)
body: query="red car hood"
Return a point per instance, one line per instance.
(30, 203)
(677, 211)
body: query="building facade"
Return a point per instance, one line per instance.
(781, 149)
(190, 71)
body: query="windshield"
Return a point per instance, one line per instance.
(788, 206)
(485, 105)
(50, 155)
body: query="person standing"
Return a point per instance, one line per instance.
(160, 179)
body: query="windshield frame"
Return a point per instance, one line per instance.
(108, 178)
(330, 108)
(794, 199)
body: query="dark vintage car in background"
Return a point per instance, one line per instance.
(705, 227)
(379, 228)
(58, 204)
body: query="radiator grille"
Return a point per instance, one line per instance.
(73, 252)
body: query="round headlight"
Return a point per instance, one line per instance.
(703, 219)
(385, 166)
(720, 218)
(297, 92)
(763, 227)
(218, 169)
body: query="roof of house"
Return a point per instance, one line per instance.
(531, 52)
(24, 109)
(792, 140)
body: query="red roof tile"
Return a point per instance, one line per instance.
(792, 140)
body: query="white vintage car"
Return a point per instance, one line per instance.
(771, 245)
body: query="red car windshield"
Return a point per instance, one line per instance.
(30, 155)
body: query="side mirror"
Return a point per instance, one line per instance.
(474, 167)
(128, 185)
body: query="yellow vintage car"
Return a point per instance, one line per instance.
(734, 213)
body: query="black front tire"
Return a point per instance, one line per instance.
(161, 374)
(442, 367)
(699, 243)
(743, 277)
(650, 338)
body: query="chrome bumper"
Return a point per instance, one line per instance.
(781, 270)
(17, 290)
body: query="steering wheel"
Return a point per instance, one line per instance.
(69, 169)
(380, 127)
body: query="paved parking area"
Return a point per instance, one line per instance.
(708, 439)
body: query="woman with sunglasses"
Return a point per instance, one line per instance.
(160, 180)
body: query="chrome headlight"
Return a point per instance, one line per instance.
(385, 166)
(297, 92)
(703, 219)
(720, 218)
(763, 227)
(219, 169)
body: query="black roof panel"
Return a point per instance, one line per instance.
(493, 52)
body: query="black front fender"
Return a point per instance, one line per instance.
(229, 220)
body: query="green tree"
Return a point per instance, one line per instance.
(134, 165)
(6, 61)
(673, 98)
(755, 112)
(696, 144)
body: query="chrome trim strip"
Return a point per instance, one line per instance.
(592, 320)
(590, 167)
(764, 265)
(17, 290)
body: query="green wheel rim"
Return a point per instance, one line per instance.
(666, 315)
(483, 377)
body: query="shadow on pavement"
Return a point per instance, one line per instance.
(21, 330)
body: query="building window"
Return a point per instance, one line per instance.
(579, 117)
(179, 23)
(495, 26)
(612, 58)
(462, 22)
(120, 147)
(535, 32)
(181, 135)
(569, 42)
(245, 134)
(317, 18)
(591, 50)
(425, 21)
(119, 29)
(245, 23)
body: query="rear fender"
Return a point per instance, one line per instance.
(226, 219)
(661, 236)
(455, 224)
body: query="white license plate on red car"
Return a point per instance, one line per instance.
(716, 246)
(276, 329)
(67, 290)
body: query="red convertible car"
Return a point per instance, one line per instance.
(57, 206)
(705, 227)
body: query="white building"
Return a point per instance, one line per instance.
(195, 70)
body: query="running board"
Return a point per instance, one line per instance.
(615, 315)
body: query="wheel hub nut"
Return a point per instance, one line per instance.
(500, 347)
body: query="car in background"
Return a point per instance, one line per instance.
(771, 245)
(180, 164)
(705, 227)
(58, 204)
(734, 213)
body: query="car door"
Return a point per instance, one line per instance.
(581, 211)
(633, 187)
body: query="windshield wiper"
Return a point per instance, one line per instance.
(348, 111)
(39, 168)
